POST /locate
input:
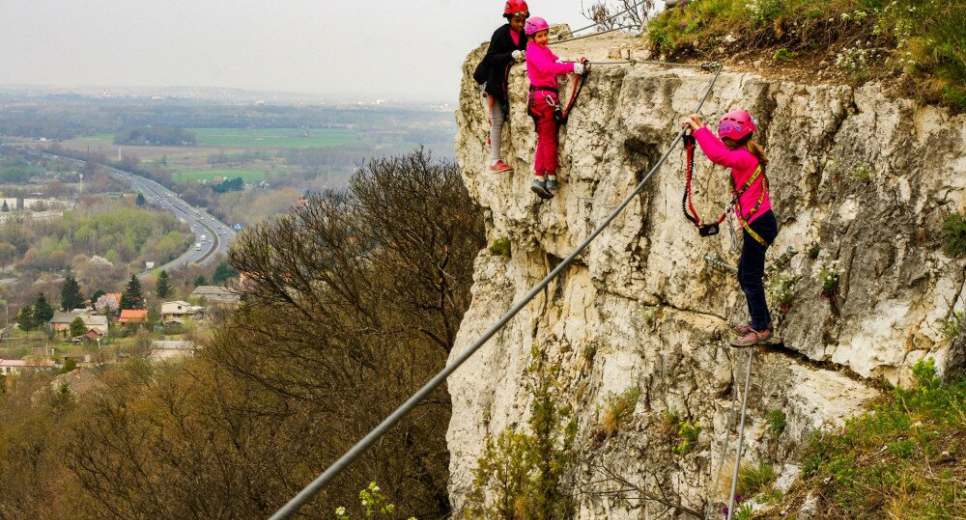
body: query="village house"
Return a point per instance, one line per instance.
(62, 320)
(165, 350)
(216, 294)
(133, 316)
(16, 366)
(178, 310)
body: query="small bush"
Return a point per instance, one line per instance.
(813, 251)
(754, 479)
(781, 290)
(828, 277)
(776, 422)
(954, 235)
(953, 326)
(618, 410)
(862, 172)
(688, 438)
(784, 54)
(501, 246)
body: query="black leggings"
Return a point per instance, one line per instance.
(751, 268)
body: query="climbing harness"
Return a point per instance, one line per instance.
(711, 228)
(560, 113)
(312, 488)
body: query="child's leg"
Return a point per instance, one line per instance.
(546, 156)
(751, 269)
(496, 130)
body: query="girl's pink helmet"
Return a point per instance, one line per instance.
(535, 25)
(736, 124)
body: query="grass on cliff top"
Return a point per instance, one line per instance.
(906, 459)
(916, 46)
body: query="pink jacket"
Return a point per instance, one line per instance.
(542, 66)
(743, 165)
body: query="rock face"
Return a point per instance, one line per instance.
(866, 179)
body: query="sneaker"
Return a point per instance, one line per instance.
(752, 338)
(553, 186)
(540, 188)
(500, 166)
(741, 330)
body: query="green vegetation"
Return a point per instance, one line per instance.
(618, 409)
(155, 135)
(755, 478)
(520, 475)
(776, 422)
(210, 176)
(814, 250)
(919, 41)
(954, 235)
(781, 289)
(501, 246)
(953, 326)
(274, 137)
(687, 437)
(373, 503)
(904, 459)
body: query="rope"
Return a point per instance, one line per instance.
(708, 65)
(741, 436)
(310, 490)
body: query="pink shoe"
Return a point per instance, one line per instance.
(500, 166)
(741, 330)
(752, 338)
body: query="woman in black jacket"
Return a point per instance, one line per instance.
(506, 47)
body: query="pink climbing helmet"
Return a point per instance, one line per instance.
(535, 25)
(736, 124)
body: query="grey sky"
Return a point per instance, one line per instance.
(400, 49)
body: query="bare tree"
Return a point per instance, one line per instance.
(619, 14)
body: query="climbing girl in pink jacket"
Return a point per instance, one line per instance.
(543, 67)
(736, 150)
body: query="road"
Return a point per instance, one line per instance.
(211, 236)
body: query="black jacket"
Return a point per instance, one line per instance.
(493, 69)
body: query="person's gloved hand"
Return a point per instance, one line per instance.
(519, 55)
(579, 69)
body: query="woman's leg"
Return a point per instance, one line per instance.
(751, 269)
(496, 129)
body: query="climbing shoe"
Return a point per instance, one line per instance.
(741, 330)
(553, 186)
(751, 338)
(500, 166)
(540, 188)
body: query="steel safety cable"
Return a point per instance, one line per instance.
(310, 490)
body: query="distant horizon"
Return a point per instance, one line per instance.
(349, 51)
(90, 91)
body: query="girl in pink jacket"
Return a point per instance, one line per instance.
(543, 67)
(735, 149)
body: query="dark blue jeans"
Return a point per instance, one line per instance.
(751, 268)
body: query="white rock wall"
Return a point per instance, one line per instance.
(866, 177)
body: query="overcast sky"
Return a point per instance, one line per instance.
(398, 49)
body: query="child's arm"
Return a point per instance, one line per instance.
(718, 153)
(546, 63)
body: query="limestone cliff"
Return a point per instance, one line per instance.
(862, 179)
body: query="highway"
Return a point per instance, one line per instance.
(211, 236)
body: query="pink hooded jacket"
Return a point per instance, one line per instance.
(743, 165)
(542, 66)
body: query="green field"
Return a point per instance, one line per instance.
(273, 137)
(198, 175)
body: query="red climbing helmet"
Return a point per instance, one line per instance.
(535, 25)
(515, 7)
(736, 124)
